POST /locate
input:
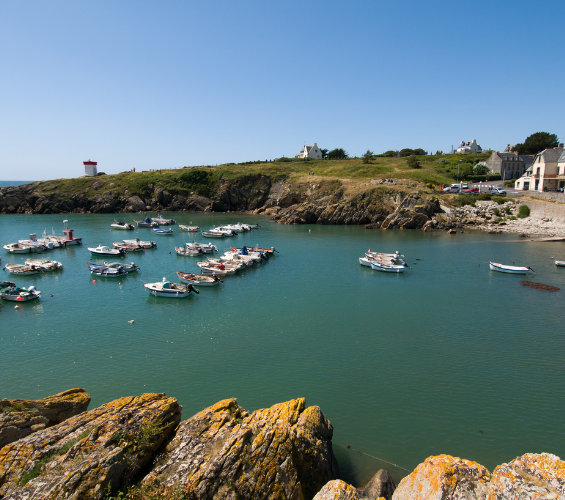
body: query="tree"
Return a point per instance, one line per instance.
(413, 162)
(338, 154)
(537, 142)
(420, 151)
(406, 152)
(480, 169)
(324, 152)
(368, 156)
(390, 154)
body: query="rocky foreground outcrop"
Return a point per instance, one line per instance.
(90, 454)
(283, 452)
(20, 417)
(138, 445)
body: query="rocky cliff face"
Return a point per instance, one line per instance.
(323, 202)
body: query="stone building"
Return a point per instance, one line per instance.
(509, 164)
(469, 147)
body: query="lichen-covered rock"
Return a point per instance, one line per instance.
(337, 490)
(281, 452)
(444, 477)
(381, 485)
(90, 454)
(21, 417)
(531, 476)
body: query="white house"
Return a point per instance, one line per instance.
(312, 151)
(546, 173)
(469, 147)
(90, 168)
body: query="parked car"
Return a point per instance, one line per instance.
(473, 190)
(451, 189)
(498, 190)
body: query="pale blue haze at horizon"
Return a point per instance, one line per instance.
(162, 85)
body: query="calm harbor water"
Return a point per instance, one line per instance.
(448, 358)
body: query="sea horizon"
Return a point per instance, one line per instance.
(13, 183)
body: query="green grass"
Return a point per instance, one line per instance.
(523, 211)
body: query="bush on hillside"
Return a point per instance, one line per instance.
(524, 211)
(499, 199)
(484, 197)
(413, 162)
(464, 199)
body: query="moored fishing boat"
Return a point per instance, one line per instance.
(162, 221)
(128, 268)
(198, 279)
(20, 294)
(189, 252)
(105, 251)
(560, 263)
(202, 247)
(106, 271)
(43, 244)
(17, 248)
(68, 237)
(163, 230)
(210, 234)
(21, 269)
(146, 223)
(171, 290)
(388, 268)
(123, 225)
(501, 268)
(128, 247)
(144, 244)
(45, 264)
(190, 229)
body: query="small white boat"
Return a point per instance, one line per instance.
(198, 279)
(45, 264)
(560, 263)
(388, 268)
(217, 267)
(211, 234)
(163, 231)
(501, 268)
(172, 290)
(105, 251)
(127, 247)
(33, 242)
(190, 229)
(144, 244)
(18, 294)
(17, 248)
(123, 225)
(366, 261)
(22, 269)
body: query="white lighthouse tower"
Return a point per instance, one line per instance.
(90, 168)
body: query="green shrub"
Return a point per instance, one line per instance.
(498, 219)
(413, 162)
(499, 199)
(513, 217)
(484, 196)
(464, 199)
(523, 211)
(508, 210)
(496, 212)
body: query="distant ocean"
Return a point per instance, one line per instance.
(13, 183)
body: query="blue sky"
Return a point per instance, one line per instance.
(164, 84)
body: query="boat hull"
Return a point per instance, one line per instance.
(508, 269)
(386, 268)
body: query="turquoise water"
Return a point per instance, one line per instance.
(13, 183)
(447, 358)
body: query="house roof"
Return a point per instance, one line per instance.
(552, 154)
(562, 157)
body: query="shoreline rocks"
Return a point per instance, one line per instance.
(138, 445)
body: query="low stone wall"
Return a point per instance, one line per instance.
(552, 211)
(553, 197)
